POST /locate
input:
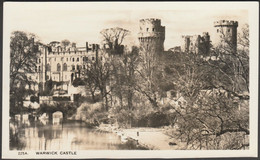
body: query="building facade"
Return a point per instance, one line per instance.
(62, 64)
(152, 35)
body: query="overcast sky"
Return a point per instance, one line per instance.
(81, 22)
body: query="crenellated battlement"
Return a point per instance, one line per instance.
(151, 20)
(225, 23)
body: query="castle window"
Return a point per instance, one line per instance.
(48, 67)
(72, 59)
(39, 60)
(36, 69)
(58, 67)
(147, 29)
(153, 29)
(93, 58)
(73, 67)
(77, 67)
(39, 69)
(77, 59)
(64, 67)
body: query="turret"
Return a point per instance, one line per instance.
(151, 35)
(226, 34)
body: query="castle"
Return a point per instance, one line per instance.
(65, 63)
(62, 64)
(226, 34)
(226, 37)
(196, 44)
(151, 35)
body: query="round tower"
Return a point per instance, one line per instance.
(226, 34)
(151, 35)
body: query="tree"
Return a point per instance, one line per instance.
(149, 75)
(216, 93)
(23, 51)
(98, 75)
(65, 43)
(113, 38)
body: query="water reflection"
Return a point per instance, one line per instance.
(73, 136)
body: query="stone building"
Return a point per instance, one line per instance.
(196, 44)
(62, 64)
(151, 35)
(226, 34)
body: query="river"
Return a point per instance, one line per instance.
(66, 136)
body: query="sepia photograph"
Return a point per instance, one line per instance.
(130, 79)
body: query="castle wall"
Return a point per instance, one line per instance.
(196, 44)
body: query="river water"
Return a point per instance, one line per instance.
(68, 136)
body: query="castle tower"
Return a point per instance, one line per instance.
(151, 35)
(226, 34)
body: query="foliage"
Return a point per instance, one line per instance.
(23, 52)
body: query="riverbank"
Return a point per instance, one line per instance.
(153, 138)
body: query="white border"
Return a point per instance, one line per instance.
(252, 7)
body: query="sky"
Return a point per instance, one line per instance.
(81, 22)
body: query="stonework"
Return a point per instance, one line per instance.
(151, 35)
(226, 34)
(225, 37)
(62, 64)
(196, 44)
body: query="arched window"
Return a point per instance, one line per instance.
(72, 59)
(64, 67)
(35, 68)
(77, 67)
(77, 59)
(39, 68)
(58, 67)
(73, 67)
(48, 67)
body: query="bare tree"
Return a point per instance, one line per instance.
(114, 37)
